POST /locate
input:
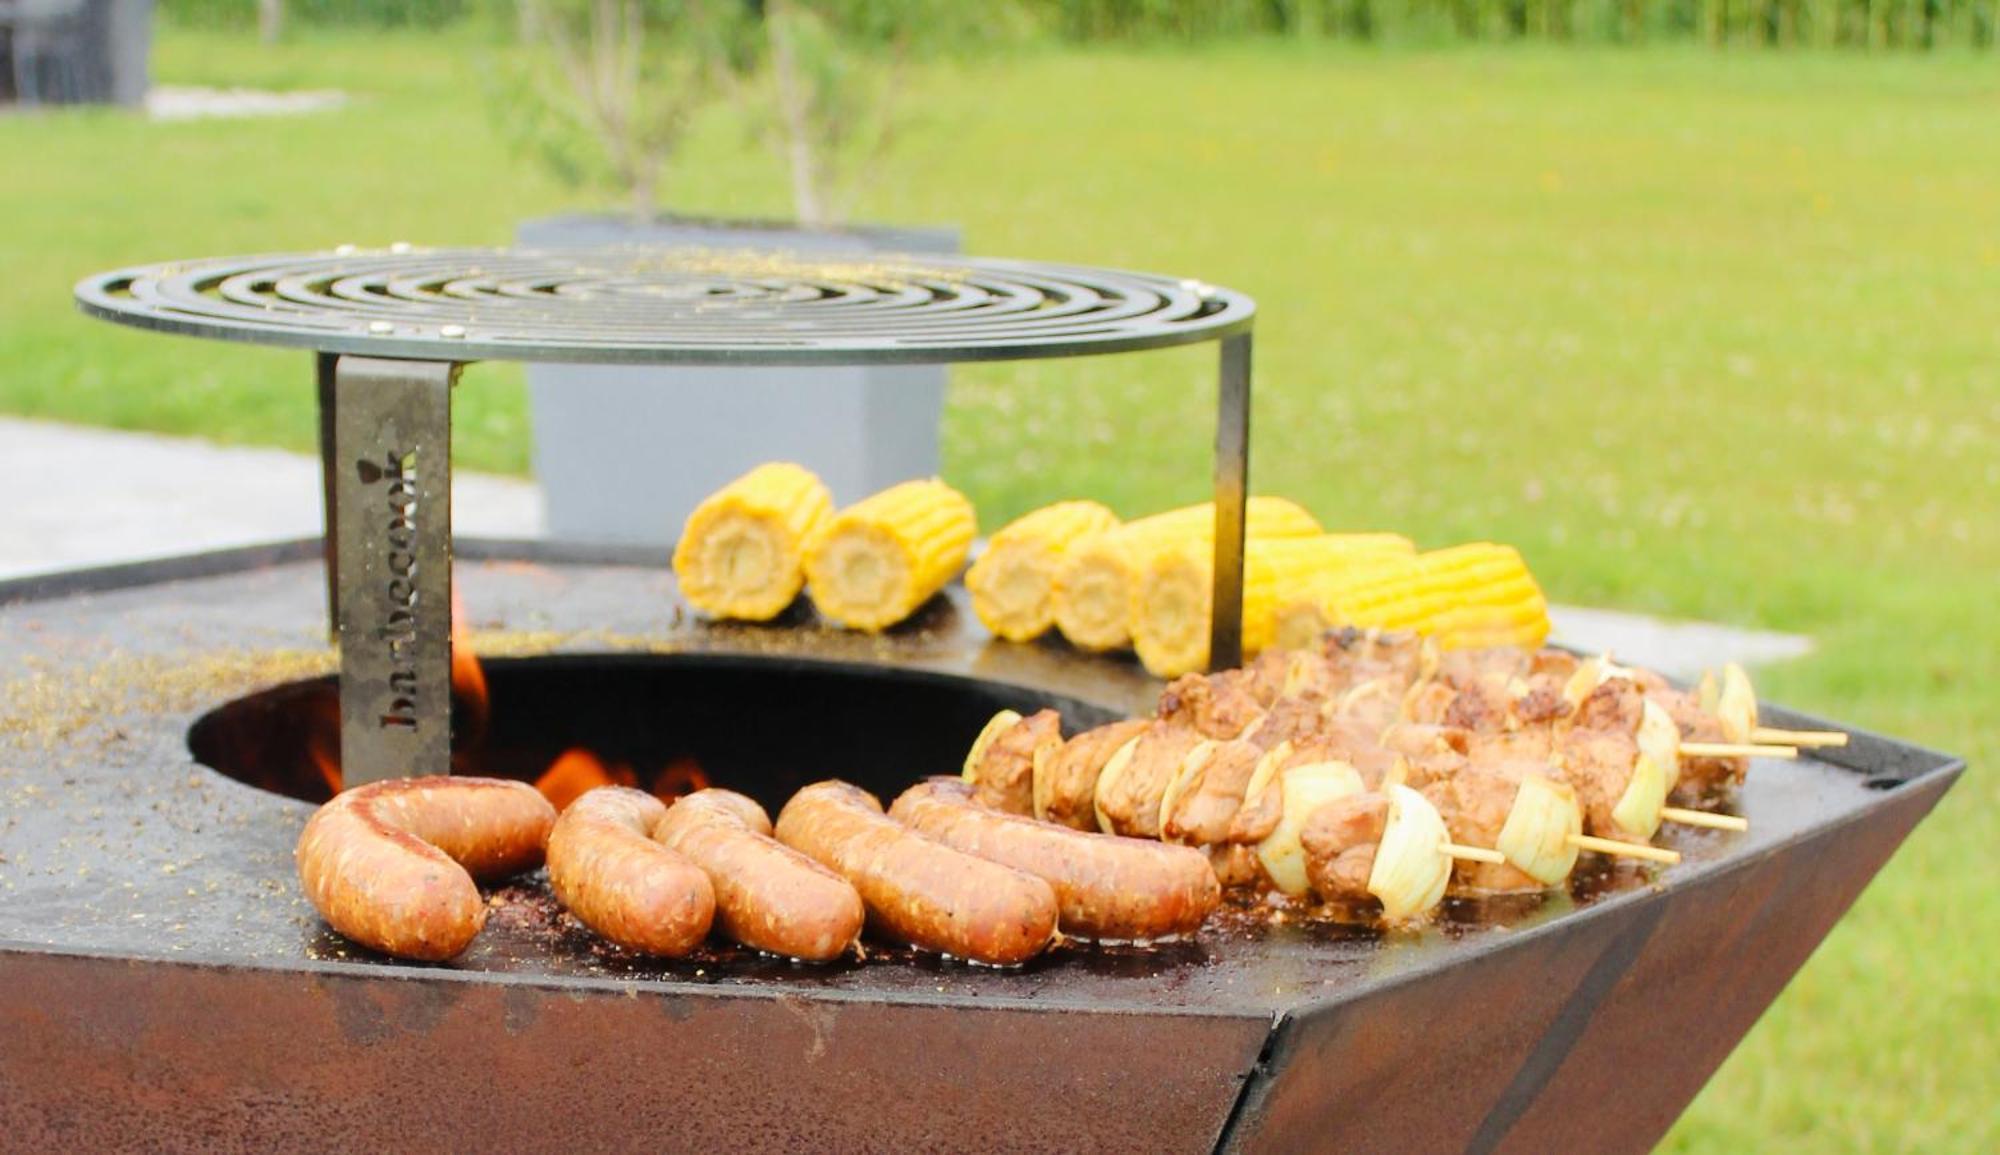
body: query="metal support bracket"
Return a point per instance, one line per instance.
(1232, 477)
(329, 490)
(391, 531)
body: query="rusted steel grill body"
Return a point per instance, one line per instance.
(163, 984)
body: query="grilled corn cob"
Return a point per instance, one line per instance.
(1468, 595)
(872, 564)
(1095, 591)
(1013, 583)
(742, 550)
(1308, 612)
(1172, 608)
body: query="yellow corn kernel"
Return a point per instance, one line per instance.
(741, 553)
(1095, 588)
(1174, 605)
(872, 564)
(1309, 612)
(1013, 584)
(1468, 595)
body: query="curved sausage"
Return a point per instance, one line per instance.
(608, 872)
(920, 891)
(767, 896)
(392, 865)
(1108, 887)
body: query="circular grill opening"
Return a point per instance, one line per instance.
(667, 723)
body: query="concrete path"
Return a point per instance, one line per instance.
(173, 102)
(1676, 649)
(73, 497)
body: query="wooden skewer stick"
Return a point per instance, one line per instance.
(1704, 818)
(1737, 750)
(1471, 853)
(1625, 849)
(1811, 739)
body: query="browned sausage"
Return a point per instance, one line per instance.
(920, 891)
(1108, 887)
(606, 869)
(767, 895)
(392, 864)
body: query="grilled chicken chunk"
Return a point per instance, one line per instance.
(1340, 840)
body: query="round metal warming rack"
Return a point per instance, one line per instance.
(391, 328)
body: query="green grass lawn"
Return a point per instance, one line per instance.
(1710, 335)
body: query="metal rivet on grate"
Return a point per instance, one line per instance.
(672, 306)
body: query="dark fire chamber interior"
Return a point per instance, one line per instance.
(763, 726)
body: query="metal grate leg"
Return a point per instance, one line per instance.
(329, 490)
(391, 498)
(1232, 474)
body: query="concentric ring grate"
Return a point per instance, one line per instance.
(665, 306)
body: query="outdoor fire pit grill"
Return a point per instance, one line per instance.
(164, 984)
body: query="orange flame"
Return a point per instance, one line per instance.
(678, 779)
(323, 744)
(577, 771)
(325, 748)
(472, 706)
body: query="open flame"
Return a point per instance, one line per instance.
(574, 772)
(323, 741)
(472, 706)
(577, 771)
(678, 779)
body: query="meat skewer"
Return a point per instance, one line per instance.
(1232, 795)
(1734, 702)
(1622, 756)
(1512, 692)
(1529, 758)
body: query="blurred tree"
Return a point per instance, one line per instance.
(611, 86)
(831, 77)
(608, 96)
(270, 20)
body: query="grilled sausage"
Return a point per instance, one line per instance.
(1108, 887)
(392, 865)
(607, 870)
(767, 895)
(920, 891)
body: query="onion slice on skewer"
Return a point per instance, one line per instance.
(1411, 868)
(1541, 825)
(995, 726)
(1114, 769)
(1637, 811)
(1305, 789)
